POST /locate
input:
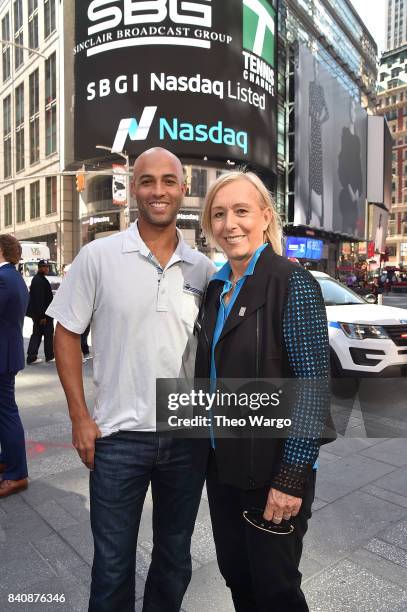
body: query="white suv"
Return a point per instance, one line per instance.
(364, 338)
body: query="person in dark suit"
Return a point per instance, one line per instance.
(40, 298)
(13, 306)
(263, 317)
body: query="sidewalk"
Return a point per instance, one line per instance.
(355, 554)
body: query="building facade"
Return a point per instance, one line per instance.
(36, 199)
(340, 43)
(396, 23)
(392, 103)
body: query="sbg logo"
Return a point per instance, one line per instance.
(175, 130)
(136, 12)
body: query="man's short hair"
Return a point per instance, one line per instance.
(11, 248)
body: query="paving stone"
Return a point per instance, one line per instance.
(54, 463)
(309, 567)
(391, 451)
(396, 534)
(19, 574)
(55, 515)
(388, 551)
(79, 536)
(207, 592)
(394, 498)
(49, 488)
(341, 527)
(77, 506)
(143, 560)
(339, 478)
(54, 551)
(25, 526)
(48, 431)
(318, 503)
(396, 482)
(380, 566)
(348, 587)
(9, 505)
(202, 545)
(343, 447)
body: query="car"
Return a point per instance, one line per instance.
(366, 339)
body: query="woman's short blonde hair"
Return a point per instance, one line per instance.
(273, 233)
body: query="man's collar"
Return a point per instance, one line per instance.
(132, 241)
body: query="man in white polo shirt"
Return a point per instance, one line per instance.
(141, 290)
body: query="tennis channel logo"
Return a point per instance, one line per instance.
(259, 29)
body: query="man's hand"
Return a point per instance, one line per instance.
(43, 321)
(84, 433)
(281, 506)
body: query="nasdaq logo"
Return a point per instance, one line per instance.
(259, 29)
(133, 129)
(176, 130)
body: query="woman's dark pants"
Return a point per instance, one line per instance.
(261, 569)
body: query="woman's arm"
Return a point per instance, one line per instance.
(305, 332)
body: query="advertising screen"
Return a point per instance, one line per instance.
(296, 247)
(195, 77)
(303, 248)
(330, 151)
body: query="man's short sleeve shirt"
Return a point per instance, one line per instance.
(142, 319)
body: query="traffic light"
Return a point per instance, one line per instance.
(80, 180)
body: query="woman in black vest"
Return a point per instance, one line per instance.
(262, 317)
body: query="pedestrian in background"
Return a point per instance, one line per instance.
(142, 290)
(43, 325)
(13, 305)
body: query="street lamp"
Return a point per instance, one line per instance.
(125, 211)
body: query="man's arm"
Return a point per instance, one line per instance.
(68, 356)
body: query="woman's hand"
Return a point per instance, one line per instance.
(281, 506)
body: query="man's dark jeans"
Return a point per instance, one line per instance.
(125, 464)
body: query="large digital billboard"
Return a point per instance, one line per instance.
(195, 77)
(330, 151)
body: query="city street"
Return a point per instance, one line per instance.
(355, 554)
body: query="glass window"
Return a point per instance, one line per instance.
(51, 192)
(33, 31)
(7, 136)
(50, 105)
(8, 210)
(34, 93)
(49, 17)
(34, 139)
(51, 130)
(34, 118)
(20, 196)
(18, 33)
(5, 34)
(50, 79)
(35, 200)
(19, 116)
